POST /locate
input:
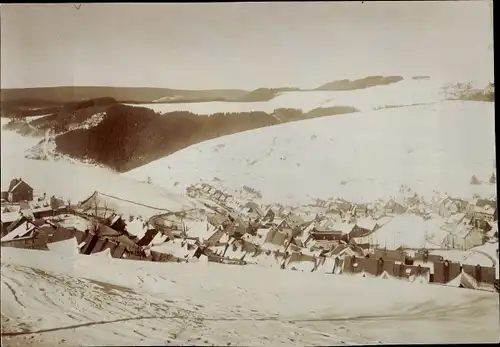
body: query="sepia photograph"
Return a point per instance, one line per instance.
(248, 174)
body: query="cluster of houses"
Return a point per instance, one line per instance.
(338, 236)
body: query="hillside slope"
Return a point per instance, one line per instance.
(127, 137)
(361, 156)
(76, 182)
(406, 92)
(104, 132)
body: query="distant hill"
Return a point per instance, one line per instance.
(47, 95)
(367, 82)
(124, 137)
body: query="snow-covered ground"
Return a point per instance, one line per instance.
(14, 145)
(360, 157)
(86, 300)
(406, 92)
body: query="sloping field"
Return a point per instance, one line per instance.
(407, 92)
(361, 156)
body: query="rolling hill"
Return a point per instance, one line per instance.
(126, 136)
(361, 156)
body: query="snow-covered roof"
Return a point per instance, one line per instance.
(198, 229)
(345, 228)
(73, 221)
(9, 217)
(21, 230)
(405, 230)
(461, 230)
(172, 248)
(455, 218)
(486, 209)
(263, 231)
(66, 247)
(383, 220)
(367, 223)
(136, 227)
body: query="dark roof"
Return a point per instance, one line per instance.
(326, 235)
(17, 183)
(485, 202)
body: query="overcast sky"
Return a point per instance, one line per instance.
(242, 45)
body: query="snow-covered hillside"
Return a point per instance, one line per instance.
(77, 182)
(13, 144)
(361, 156)
(405, 93)
(87, 300)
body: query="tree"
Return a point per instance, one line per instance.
(493, 178)
(474, 180)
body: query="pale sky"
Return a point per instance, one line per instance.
(242, 45)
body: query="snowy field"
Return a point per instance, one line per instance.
(87, 300)
(360, 157)
(406, 92)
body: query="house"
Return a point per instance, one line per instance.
(347, 249)
(425, 257)
(387, 254)
(361, 210)
(333, 214)
(464, 237)
(295, 220)
(19, 191)
(344, 228)
(237, 229)
(481, 224)
(7, 219)
(269, 214)
(217, 219)
(326, 235)
(483, 209)
(324, 239)
(395, 206)
(341, 205)
(253, 210)
(449, 206)
(445, 271)
(281, 223)
(363, 228)
(484, 277)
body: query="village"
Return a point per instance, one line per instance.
(448, 241)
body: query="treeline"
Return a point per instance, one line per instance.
(129, 137)
(466, 92)
(362, 83)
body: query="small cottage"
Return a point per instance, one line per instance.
(395, 206)
(449, 206)
(483, 209)
(19, 190)
(464, 237)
